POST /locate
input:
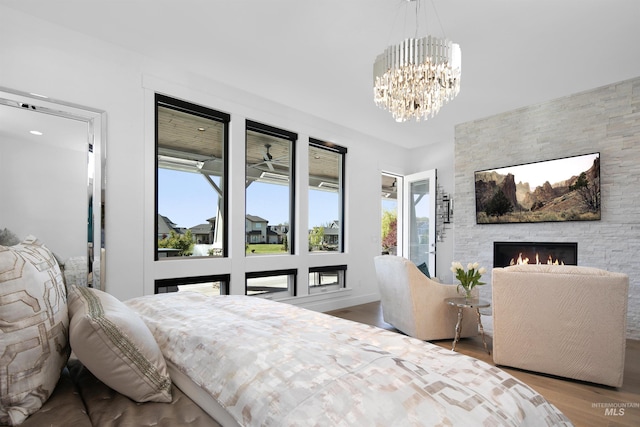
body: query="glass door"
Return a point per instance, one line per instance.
(419, 219)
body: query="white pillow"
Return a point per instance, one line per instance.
(34, 341)
(113, 342)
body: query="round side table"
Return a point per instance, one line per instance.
(463, 303)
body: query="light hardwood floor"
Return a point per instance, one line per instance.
(580, 401)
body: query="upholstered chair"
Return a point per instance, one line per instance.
(562, 320)
(415, 304)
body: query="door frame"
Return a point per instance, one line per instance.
(406, 211)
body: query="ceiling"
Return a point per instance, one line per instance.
(194, 138)
(317, 57)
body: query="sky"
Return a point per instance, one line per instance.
(553, 171)
(390, 205)
(188, 200)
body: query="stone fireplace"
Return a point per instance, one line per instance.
(510, 253)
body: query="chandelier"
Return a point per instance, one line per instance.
(416, 77)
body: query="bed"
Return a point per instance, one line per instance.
(254, 362)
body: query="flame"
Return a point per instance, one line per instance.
(522, 261)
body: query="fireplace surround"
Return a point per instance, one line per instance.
(508, 253)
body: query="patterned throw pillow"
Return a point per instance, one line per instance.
(34, 328)
(113, 342)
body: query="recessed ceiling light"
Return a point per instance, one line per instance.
(35, 132)
(201, 129)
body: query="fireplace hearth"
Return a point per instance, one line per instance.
(510, 253)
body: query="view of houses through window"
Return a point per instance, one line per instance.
(326, 196)
(191, 179)
(269, 189)
(191, 198)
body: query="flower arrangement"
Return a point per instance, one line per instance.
(468, 279)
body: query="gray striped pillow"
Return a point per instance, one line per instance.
(113, 342)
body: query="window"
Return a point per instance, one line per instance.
(389, 221)
(271, 284)
(327, 278)
(208, 285)
(269, 190)
(191, 179)
(326, 196)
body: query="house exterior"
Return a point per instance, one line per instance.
(330, 236)
(277, 233)
(203, 233)
(166, 226)
(255, 229)
(258, 230)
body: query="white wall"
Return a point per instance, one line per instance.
(68, 66)
(605, 120)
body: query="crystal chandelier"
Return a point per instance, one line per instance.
(416, 77)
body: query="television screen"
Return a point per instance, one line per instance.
(566, 189)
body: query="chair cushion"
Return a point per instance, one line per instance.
(33, 317)
(116, 346)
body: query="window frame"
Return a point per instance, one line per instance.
(258, 127)
(224, 280)
(292, 285)
(208, 113)
(330, 146)
(342, 274)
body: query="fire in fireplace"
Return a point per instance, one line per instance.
(511, 253)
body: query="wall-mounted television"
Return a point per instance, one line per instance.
(565, 189)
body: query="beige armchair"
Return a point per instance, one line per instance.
(414, 304)
(561, 320)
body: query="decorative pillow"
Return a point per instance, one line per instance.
(113, 342)
(34, 328)
(7, 238)
(425, 269)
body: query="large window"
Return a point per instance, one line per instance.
(269, 190)
(271, 284)
(191, 179)
(326, 196)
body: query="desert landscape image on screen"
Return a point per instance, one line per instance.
(566, 189)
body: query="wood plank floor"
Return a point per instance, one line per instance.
(580, 401)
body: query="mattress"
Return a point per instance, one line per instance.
(266, 363)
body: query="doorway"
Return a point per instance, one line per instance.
(408, 217)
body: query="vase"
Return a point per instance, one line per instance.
(466, 293)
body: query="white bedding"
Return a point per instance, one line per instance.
(274, 364)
